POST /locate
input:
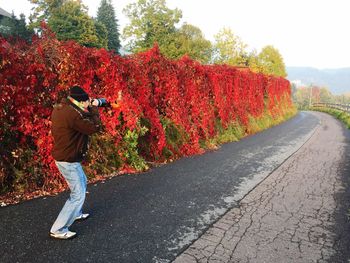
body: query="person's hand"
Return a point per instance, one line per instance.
(119, 99)
(94, 102)
(116, 104)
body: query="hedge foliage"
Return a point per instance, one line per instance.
(170, 108)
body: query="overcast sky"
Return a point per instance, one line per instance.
(306, 32)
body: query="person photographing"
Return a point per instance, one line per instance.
(73, 120)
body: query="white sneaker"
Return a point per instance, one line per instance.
(65, 235)
(82, 217)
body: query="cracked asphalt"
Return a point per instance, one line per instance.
(297, 214)
(277, 196)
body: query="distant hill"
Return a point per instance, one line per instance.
(336, 80)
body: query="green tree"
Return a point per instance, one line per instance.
(191, 41)
(302, 97)
(151, 21)
(106, 16)
(15, 27)
(294, 89)
(271, 62)
(7, 26)
(253, 62)
(229, 49)
(326, 96)
(42, 11)
(101, 33)
(71, 22)
(22, 30)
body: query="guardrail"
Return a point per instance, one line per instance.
(338, 106)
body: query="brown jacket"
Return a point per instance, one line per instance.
(71, 128)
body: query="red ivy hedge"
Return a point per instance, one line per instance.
(156, 91)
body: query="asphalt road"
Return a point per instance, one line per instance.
(153, 216)
(298, 214)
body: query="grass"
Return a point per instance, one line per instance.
(235, 131)
(267, 120)
(340, 115)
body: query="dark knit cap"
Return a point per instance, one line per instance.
(78, 93)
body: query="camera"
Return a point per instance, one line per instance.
(101, 102)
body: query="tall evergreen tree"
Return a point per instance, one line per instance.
(11, 26)
(106, 16)
(22, 29)
(7, 26)
(102, 34)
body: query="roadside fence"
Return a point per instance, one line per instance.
(338, 106)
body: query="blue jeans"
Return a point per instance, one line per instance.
(76, 179)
